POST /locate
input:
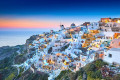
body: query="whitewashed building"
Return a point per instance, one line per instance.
(112, 56)
(93, 26)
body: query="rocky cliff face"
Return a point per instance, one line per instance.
(29, 41)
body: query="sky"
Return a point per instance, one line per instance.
(52, 13)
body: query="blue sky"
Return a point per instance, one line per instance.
(65, 11)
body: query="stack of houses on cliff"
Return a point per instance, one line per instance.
(75, 46)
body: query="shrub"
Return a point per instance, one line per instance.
(96, 75)
(72, 76)
(116, 77)
(63, 75)
(10, 77)
(99, 63)
(90, 67)
(79, 73)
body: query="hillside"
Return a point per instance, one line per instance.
(91, 71)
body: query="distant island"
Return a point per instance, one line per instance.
(90, 51)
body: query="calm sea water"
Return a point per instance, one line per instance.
(12, 37)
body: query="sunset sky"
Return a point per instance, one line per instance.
(52, 13)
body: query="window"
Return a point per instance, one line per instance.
(110, 25)
(114, 25)
(110, 55)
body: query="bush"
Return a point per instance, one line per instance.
(10, 77)
(63, 75)
(98, 74)
(90, 67)
(99, 63)
(72, 76)
(116, 77)
(92, 70)
(95, 74)
(79, 73)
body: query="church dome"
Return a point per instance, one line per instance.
(73, 25)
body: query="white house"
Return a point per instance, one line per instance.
(112, 56)
(112, 24)
(93, 26)
(108, 35)
(108, 26)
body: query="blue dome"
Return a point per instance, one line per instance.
(73, 24)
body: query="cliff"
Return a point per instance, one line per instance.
(29, 41)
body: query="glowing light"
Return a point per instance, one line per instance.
(118, 21)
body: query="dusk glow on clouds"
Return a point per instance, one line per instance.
(33, 23)
(26, 23)
(39, 21)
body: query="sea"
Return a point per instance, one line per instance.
(13, 37)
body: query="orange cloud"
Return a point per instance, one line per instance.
(27, 23)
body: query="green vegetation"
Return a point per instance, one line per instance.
(65, 75)
(36, 76)
(79, 73)
(7, 71)
(92, 70)
(116, 77)
(28, 75)
(99, 63)
(21, 71)
(10, 77)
